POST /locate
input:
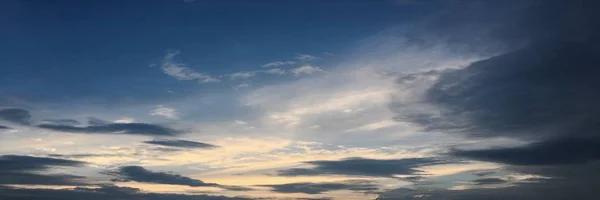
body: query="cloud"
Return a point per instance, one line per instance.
(306, 58)
(242, 75)
(179, 71)
(544, 94)
(487, 181)
(279, 63)
(27, 163)
(4, 127)
(69, 122)
(181, 143)
(140, 174)
(529, 93)
(16, 169)
(15, 115)
(318, 188)
(121, 128)
(276, 71)
(362, 167)
(305, 70)
(240, 86)
(165, 111)
(100, 193)
(551, 152)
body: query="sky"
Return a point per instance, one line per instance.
(306, 100)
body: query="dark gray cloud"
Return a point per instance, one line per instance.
(143, 175)
(23, 117)
(4, 127)
(181, 143)
(569, 182)
(483, 173)
(66, 122)
(102, 193)
(362, 167)
(318, 188)
(15, 115)
(30, 163)
(486, 181)
(551, 152)
(15, 169)
(122, 128)
(140, 174)
(30, 178)
(545, 93)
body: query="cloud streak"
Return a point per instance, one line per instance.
(181, 144)
(179, 71)
(362, 167)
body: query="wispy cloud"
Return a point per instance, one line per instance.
(306, 58)
(179, 71)
(165, 111)
(242, 75)
(181, 143)
(279, 63)
(276, 71)
(306, 70)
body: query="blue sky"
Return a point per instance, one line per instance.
(219, 99)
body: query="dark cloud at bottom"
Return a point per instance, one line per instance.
(318, 188)
(102, 193)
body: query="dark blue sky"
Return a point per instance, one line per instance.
(49, 46)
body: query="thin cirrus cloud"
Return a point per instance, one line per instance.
(305, 70)
(165, 111)
(242, 75)
(306, 58)
(181, 144)
(275, 71)
(179, 71)
(278, 63)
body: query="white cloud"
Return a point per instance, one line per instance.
(240, 86)
(125, 120)
(240, 122)
(164, 111)
(180, 72)
(242, 75)
(306, 69)
(276, 71)
(374, 126)
(306, 58)
(279, 63)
